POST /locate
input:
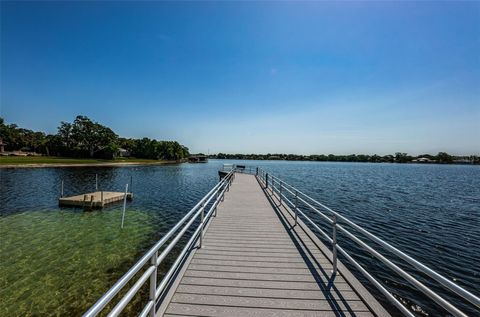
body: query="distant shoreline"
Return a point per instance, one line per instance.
(64, 162)
(362, 162)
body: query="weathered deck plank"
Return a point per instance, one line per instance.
(253, 263)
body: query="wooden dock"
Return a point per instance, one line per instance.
(255, 262)
(93, 200)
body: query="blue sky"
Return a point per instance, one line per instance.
(242, 77)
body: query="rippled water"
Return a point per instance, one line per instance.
(62, 260)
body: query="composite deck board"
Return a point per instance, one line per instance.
(261, 284)
(252, 263)
(259, 292)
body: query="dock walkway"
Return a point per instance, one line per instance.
(255, 262)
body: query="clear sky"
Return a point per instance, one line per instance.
(289, 77)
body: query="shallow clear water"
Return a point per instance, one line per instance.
(61, 260)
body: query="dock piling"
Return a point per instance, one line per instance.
(101, 198)
(85, 198)
(124, 203)
(131, 183)
(96, 182)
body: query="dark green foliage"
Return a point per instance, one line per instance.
(86, 138)
(18, 138)
(153, 149)
(402, 157)
(443, 157)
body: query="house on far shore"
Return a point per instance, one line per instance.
(198, 159)
(423, 160)
(123, 153)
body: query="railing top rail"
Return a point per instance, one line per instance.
(418, 265)
(113, 291)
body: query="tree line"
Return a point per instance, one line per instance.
(399, 157)
(85, 138)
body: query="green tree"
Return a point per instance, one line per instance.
(91, 136)
(444, 157)
(402, 157)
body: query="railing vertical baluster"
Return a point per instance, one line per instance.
(223, 194)
(334, 244)
(216, 204)
(266, 180)
(296, 206)
(153, 284)
(202, 216)
(280, 192)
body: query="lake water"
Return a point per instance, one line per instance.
(57, 261)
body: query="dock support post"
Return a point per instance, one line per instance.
(202, 216)
(131, 183)
(124, 203)
(334, 245)
(296, 206)
(153, 284)
(61, 190)
(96, 182)
(85, 197)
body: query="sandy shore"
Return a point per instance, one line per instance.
(118, 164)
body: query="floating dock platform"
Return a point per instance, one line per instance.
(93, 200)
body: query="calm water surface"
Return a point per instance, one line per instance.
(59, 261)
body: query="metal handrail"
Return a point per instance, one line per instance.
(211, 199)
(280, 189)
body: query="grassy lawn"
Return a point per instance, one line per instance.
(4, 160)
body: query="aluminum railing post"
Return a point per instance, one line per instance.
(266, 180)
(280, 193)
(296, 206)
(216, 204)
(202, 216)
(334, 244)
(153, 284)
